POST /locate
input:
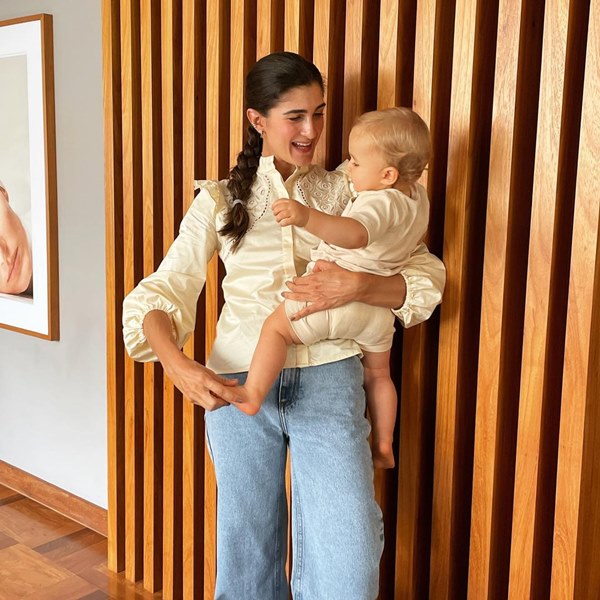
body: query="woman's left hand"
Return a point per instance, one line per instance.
(328, 286)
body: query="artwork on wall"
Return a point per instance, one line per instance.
(28, 220)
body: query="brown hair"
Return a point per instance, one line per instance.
(270, 78)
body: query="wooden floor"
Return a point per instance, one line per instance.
(45, 556)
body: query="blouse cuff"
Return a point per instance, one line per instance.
(421, 299)
(133, 328)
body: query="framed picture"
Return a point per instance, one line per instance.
(28, 220)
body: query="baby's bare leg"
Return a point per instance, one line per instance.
(382, 401)
(268, 360)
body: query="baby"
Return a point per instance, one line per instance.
(376, 233)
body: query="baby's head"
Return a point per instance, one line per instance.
(388, 148)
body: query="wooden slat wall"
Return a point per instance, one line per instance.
(498, 447)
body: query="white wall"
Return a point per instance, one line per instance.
(53, 394)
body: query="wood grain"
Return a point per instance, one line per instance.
(270, 27)
(577, 516)
(114, 284)
(462, 248)
(175, 73)
(130, 99)
(328, 56)
(544, 309)
(217, 166)
(46, 26)
(298, 19)
(360, 60)
(172, 577)
(59, 500)
(152, 253)
(503, 295)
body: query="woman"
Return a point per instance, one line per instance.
(16, 265)
(317, 405)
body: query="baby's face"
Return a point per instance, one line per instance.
(367, 164)
(15, 252)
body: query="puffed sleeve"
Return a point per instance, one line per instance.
(176, 285)
(425, 277)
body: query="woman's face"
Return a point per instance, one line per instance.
(292, 128)
(15, 253)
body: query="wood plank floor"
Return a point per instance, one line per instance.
(45, 556)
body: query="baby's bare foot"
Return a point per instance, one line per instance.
(249, 403)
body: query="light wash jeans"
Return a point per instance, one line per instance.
(337, 527)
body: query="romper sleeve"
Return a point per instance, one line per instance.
(425, 277)
(175, 286)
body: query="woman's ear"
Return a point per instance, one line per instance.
(256, 119)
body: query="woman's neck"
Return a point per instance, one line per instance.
(285, 169)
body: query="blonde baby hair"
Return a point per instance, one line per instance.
(402, 136)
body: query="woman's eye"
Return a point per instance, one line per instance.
(316, 115)
(295, 119)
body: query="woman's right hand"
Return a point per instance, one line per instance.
(200, 385)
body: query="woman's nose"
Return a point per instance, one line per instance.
(309, 128)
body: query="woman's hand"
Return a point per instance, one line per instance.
(290, 212)
(201, 385)
(328, 286)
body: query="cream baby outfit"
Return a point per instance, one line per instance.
(268, 256)
(396, 224)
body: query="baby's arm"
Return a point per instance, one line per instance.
(339, 231)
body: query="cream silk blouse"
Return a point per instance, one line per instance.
(268, 256)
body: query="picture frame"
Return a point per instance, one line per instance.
(28, 199)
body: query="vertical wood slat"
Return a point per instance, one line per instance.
(413, 529)
(114, 283)
(193, 530)
(152, 253)
(172, 509)
(503, 295)
(575, 571)
(217, 163)
(396, 52)
(488, 419)
(545, 311)
(130, 93)
(388, 64)
(270, 32)
(360, 64)
(398, 493)
(466, 189)
(299, 18)
(328, 55)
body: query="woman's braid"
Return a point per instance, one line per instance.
(241, 178)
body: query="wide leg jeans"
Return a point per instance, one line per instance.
(337, 527)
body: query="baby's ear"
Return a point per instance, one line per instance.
(390, 176)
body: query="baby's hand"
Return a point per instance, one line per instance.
(290, 212)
